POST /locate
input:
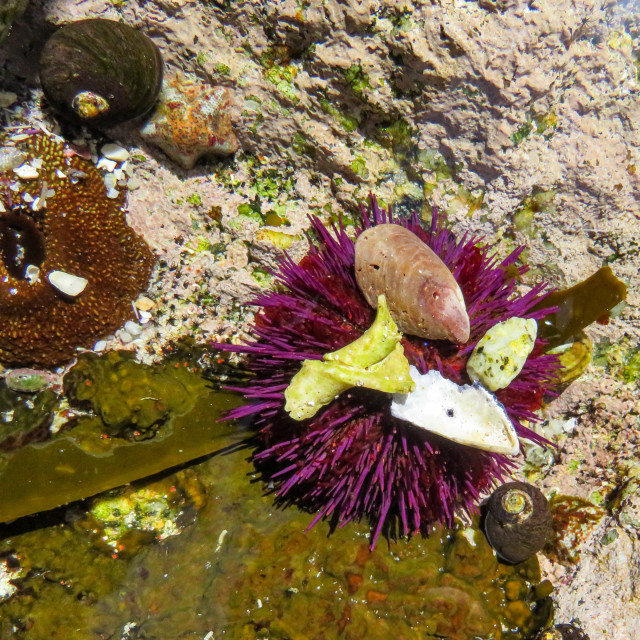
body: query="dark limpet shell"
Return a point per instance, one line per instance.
(517, 521)
(100, 72)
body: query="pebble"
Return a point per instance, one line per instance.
(7, 98)
(114, 152)
(133, 328)
(144, 304)
(106, 164)
(10, 158)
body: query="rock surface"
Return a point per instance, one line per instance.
(518, 119)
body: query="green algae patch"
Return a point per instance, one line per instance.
(24, 417)
(122, 520)
(140, 420)
(244, 570)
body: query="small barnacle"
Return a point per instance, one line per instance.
(518, 522)
(501, 353)
(423, 296)
(578, 306)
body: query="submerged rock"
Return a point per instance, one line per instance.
(137, 420)
(257, 573)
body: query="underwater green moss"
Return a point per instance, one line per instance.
(244, 570)
(621, 359)
(24, 417)
(538, 202)
(142, 420)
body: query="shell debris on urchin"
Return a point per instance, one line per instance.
(501, 353)
(466, 414)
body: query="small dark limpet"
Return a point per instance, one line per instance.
(517, 522)
(100, 72)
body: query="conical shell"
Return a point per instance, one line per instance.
(423, 296)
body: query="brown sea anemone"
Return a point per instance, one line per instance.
(57, 217)
(353, 459)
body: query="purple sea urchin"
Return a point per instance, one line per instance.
(352, 459)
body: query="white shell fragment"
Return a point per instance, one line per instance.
(32, 274)
(26, 172)
(10, 158)
(501, 353)
(67, 283)
(466, 414)
(114, 152)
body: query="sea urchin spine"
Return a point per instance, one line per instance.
(353, 459)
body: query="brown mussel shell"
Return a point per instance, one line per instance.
(100, 72)
(517, 521)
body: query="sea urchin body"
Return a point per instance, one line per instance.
(353, 459)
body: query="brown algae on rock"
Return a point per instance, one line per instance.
(170, 407)
(255, 573)
(573, 521)
(582, 304)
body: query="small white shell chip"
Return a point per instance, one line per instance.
(67, 283)
(501, 353)
(114, 152)
(466, 414)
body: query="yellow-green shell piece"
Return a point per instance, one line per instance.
(375, 360)
(501, 353)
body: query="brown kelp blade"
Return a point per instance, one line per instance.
(577, 307)
(74, 465)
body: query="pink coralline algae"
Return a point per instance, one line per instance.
(352, 459)
(191, 121)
